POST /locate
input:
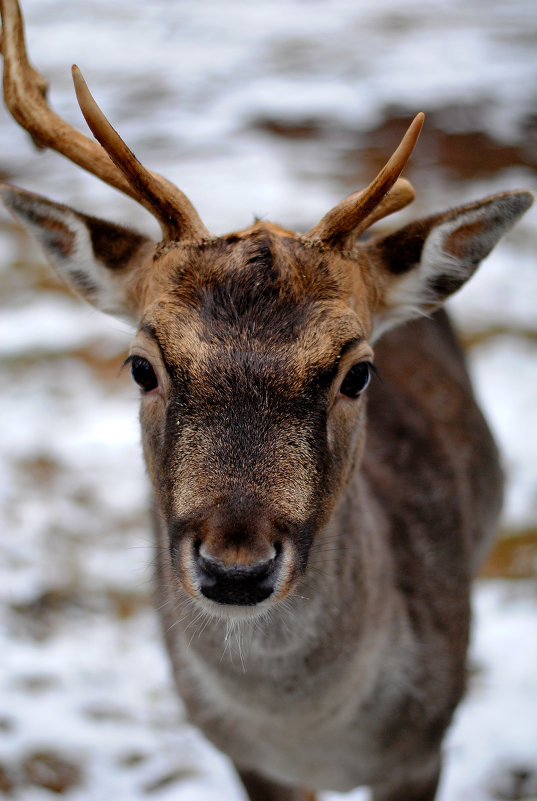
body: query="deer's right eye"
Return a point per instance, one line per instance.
(143, 374)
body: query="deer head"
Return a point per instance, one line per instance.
(253, 350)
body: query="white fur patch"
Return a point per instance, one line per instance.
(66, 242)
(412, 294)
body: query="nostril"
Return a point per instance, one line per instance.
(244, 585)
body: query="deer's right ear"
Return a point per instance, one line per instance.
(96, 258)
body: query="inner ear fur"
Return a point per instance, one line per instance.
(98, 259)
(419, 266)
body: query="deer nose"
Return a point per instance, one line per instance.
(236, 583)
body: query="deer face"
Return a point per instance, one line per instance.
(252, 358)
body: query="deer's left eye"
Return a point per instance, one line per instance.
(356, 380)
(143, 374)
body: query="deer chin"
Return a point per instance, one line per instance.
(230, 612)
(235, 591)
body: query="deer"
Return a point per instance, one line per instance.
(320, 508)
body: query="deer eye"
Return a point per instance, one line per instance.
(356, 380)
(143, 374)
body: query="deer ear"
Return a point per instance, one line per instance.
(96, 258)
(421, 265)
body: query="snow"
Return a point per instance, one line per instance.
(495, 729)
(83, 673)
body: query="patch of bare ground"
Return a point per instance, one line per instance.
(52, 771)
(132, 759)
(169, 779)
(514, 556)
(27, 276)
(107, 713)
(161, 782)
(41, 470)
(456, 142)
(518, 783)
(106, 368)
(470, 339)
(7, 780)
(46, 769)
(308, 128)
(28, 271)
(38, 618)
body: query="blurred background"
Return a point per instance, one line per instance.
(277, 108)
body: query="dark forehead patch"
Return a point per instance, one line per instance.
(258, 253)
(266, 286)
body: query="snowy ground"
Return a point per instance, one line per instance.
(275, 109)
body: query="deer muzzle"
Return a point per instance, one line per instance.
(233, 560)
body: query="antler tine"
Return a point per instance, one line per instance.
(41, 84)
(178, 217)
(400, 195)
(357, 212)
(24, 97)
(24, 93)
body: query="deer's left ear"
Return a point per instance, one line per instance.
(98, 259)
(418, 267)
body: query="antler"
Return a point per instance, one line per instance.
(346, 221)
(24, 92)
